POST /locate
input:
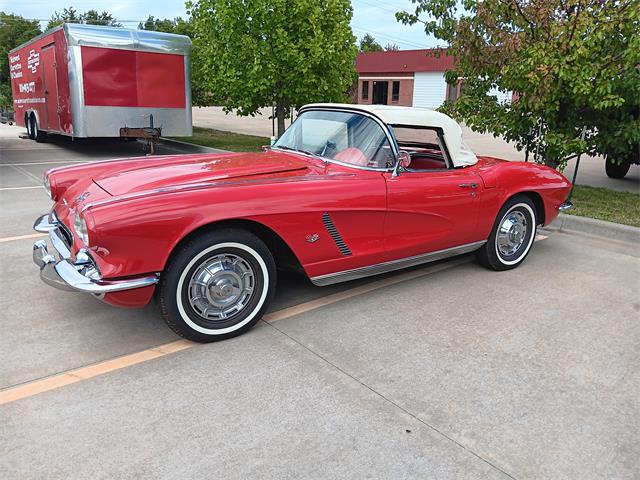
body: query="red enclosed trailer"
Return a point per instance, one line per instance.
(95, 81)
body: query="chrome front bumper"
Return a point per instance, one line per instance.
(79, 275)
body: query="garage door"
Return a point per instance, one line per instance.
(429, 89)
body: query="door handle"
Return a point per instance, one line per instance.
(468, 185)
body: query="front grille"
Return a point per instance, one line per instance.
(333, 231)
(66, 234)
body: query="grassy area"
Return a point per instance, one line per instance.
(234, 142)
(606, 204)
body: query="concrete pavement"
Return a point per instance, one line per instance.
(591, 171)
(457, 373)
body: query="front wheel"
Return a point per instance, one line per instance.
(37, 134)
(217, 285)
(512, 235)
(28, 121)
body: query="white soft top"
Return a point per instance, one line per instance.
(393, 115)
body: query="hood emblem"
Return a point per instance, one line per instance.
(312, 237)
(82, 197)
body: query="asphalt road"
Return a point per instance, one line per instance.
(443, 371)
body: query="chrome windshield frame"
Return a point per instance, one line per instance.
(385, 129)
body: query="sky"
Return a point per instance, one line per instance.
(373, 16)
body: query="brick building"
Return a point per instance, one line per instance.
(407, 77)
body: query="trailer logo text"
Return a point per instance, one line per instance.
(33, 60)
(27, 87)
(15, 67)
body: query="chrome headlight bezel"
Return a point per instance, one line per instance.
(80, 227)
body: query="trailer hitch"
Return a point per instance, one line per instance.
(151, 134)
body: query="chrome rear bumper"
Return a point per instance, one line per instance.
(79, 275)
(566, 205)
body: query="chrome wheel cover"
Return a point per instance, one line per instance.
(512, 233)
(221, 286)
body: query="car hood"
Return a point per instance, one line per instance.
(148, 174)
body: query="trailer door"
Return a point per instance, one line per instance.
(52, 120)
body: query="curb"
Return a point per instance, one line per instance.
(598, 228)
(192, 146)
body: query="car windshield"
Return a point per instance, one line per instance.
(346, 137)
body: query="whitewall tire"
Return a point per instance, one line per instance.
(217, 285)
(512, 235)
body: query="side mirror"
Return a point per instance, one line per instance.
(404, 159)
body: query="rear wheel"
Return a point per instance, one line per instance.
(512, 235)
(616, 170)
(217, 285)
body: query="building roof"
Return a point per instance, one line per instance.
(460, 153)
(398, 61)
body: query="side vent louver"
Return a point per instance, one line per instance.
(333, 231)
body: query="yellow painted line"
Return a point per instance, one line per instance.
(72, 376)
(20, 188)
(22, 237)
(352, 292)
(54, 382)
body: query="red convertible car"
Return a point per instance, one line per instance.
(348, 191)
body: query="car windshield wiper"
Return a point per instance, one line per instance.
(285, 147)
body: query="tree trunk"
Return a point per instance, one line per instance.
(281, 110)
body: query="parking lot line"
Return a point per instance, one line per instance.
(22, 237)
(20, 188)
(83, 373)
(59, 380)
(26, 164)
(352, 292)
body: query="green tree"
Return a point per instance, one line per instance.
(90, 17)
(571, 63)
(14, 30)
(165, 25)
(368, 44)
(273, 52)
(392, 47)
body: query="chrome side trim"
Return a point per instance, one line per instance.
(335, 234)
(354, 274)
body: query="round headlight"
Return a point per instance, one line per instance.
(80, 227)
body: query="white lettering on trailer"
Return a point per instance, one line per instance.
(27, 87)
(33, 60)
(19, 101)
(15, 67)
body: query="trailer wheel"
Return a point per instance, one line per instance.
(38, 135)
(27, 123)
